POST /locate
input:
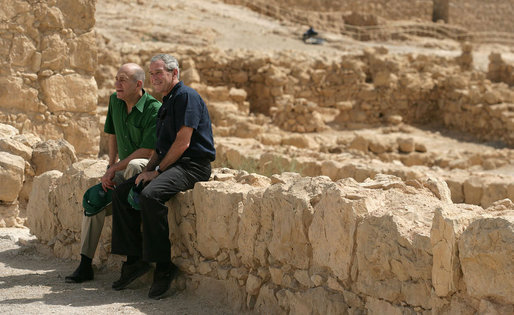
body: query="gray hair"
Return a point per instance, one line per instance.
(170, 63)
(139, 74)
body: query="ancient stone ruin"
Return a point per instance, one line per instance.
(371, 182)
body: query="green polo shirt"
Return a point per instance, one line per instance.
(135, 130)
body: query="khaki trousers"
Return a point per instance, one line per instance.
(92, 225)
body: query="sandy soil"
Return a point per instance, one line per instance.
(32, 282)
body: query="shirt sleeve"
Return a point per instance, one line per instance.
(190, 112)
(149, 129)
(109, 124)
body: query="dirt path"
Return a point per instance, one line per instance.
(32, 282)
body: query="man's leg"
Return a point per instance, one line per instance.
(135, 167)
(126, 236)
(156, 243)
(90, 235)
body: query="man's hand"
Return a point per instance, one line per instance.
(146, 177)
(106, 180)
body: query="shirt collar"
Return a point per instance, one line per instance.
(173, 90)
(140, 105)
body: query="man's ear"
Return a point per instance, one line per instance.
(139, 84)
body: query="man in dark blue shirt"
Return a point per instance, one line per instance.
(182, 156)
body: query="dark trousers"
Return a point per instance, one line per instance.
(153, 243)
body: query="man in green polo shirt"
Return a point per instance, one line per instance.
(131, 128)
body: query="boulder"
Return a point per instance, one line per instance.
(12, 170)
(53, 155)
(486, 249)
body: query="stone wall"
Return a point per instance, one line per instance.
(47, 60)
(290, 244)
(23, 156)
(472, 15)
(372, 88)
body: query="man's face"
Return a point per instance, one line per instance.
(161, 79)
(126, 86)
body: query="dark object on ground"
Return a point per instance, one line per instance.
(311, 37)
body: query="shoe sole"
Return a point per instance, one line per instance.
(68, 280)
(169, 292)
(131, 279)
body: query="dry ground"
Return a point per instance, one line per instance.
(32, 281)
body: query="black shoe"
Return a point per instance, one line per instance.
(80, 274)
(130, 273)
(162, 281)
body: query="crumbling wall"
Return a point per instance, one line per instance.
(47, 60)
(301, 93)
(293, 244)
(472, 15)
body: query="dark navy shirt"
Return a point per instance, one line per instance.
(183, 106)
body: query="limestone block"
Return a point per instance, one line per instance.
(238, 95)
(448, 224)
(251, 241)
(12, 8)
(42, 207)
(190, 76)
(9, 215)
(473, 190)
(253, 284)
(493, 191)
(292, 210)
(455, 185)
(439, 188)
(393, 250)
(217, 94)
(83, 52)
(315, 301)
(227, 292)
(83, 133)
(54, 52)
(8, 131)
(300, 141)
(51, 19)
(276, 79)
(73, 93)
(53, 155)
(239, 77)
(376, 306)
(78, 15)
(12, 170)
(332, 231)
(28, 139)
(486, 249)
(406, 145)
(217, 206)
(70, 190)
(15, 147)
(267, 302)
(331, 169)
(23, 48)
(379, 145)
(14, 94)
(359, 143)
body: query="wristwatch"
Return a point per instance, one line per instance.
(158, 169)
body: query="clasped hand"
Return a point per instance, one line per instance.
(146, 177)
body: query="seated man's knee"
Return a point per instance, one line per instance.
(134, 167)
